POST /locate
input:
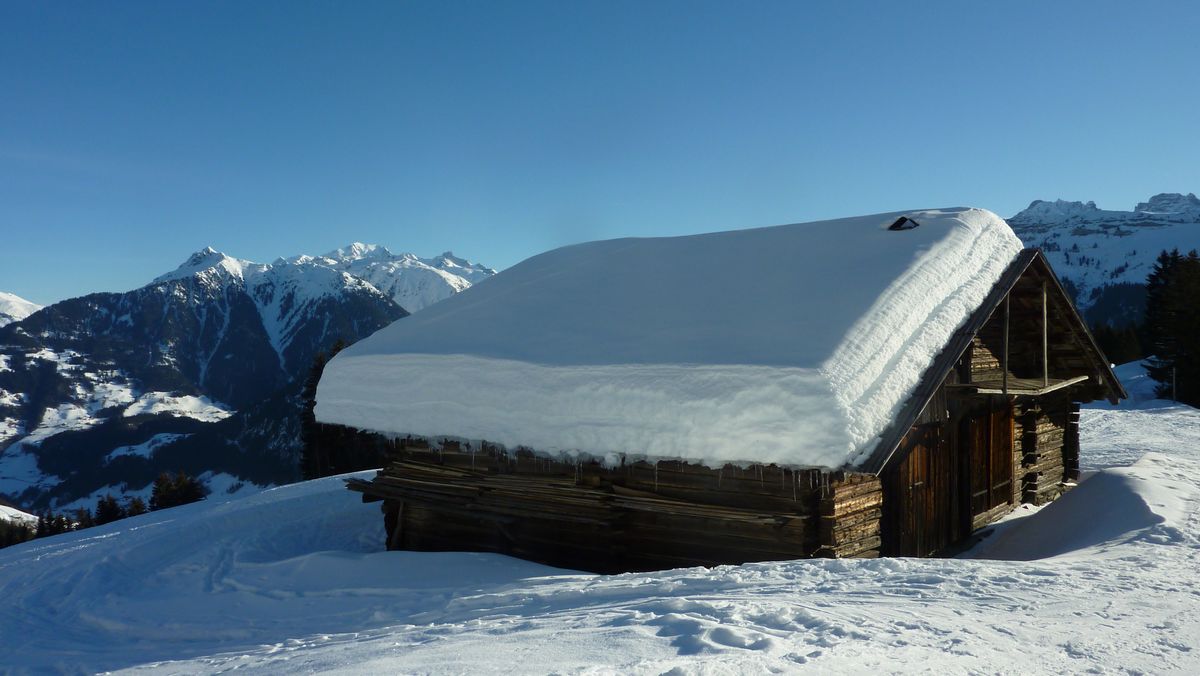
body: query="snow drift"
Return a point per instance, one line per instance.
(670, 348)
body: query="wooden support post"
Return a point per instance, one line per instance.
(395, 539)
(1045, 339)
(1004, 364)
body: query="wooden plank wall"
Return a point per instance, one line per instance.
(851, 511)
(1045, 457)
(1019, 422)
(558, 522)
(451, 495)
(986, 351)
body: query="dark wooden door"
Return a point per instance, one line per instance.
(921, 496)
(988, 435)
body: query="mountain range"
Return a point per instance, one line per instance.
(200, 370)
(1103, 256)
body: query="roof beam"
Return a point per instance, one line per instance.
(1046, 389)
(1045, 339)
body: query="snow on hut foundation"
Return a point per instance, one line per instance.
(842, 388)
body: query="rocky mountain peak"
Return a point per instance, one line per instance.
(1171, 203)
(1057, 211)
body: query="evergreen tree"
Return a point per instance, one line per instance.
(83, 519)
(108, 510)
(50, 523)
(1172, 326)
(1120, 345)
(172, 491)
(135, 506)
(187, 489)
(160, 494)
(13, 532)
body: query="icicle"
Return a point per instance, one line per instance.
(795, 481)
(656, 476)
(719, 473)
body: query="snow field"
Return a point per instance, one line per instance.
(145, 449)
(188, 406)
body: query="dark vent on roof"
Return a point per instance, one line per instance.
(903, 223)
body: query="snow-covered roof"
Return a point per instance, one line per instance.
(794, 344)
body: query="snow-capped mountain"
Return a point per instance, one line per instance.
(412, 282)
(14, 308)
(1104, 256)
(200, 370)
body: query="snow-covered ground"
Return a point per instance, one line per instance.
(293, 579)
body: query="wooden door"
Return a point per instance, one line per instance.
(921, 496)
(988, 435)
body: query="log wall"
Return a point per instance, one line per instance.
(1049, 448)
(850, 517)
(583, 515)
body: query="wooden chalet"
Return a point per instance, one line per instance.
(993, 423)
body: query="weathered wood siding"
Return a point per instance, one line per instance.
(636, 516)
(850, 511)
(1050, 447)
(923, 494)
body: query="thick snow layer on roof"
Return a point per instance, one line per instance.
(793, 344)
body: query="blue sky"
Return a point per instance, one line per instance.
(132, 134)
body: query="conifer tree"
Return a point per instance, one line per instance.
(50, 523)
(1172, 325)
(13, 532)
(108, 510)
(134, 506)
(172, 491)
(83, 519)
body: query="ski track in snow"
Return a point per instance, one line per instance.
(291, 579)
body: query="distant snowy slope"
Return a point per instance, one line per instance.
(14, 308)
(793, 344)
(15, 515)
(209, 357)
(1105, 255)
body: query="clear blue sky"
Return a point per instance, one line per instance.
(132, 133)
